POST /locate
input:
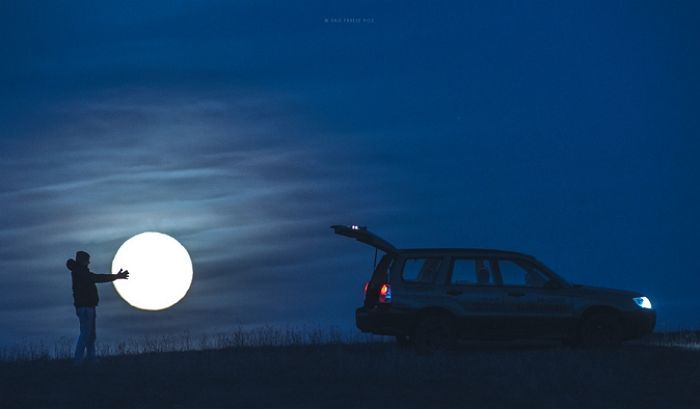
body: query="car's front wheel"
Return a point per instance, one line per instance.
(600, 330)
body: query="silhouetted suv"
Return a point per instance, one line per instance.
(432, 297)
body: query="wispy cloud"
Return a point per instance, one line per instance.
(249, 200)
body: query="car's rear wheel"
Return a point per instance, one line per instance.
(600, 330)
(434, 333)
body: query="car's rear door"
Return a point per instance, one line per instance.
(363, 235)
(380, 276)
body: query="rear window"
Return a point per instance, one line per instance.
(421, 269)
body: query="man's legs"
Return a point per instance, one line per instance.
(86, 315)
(90, 344)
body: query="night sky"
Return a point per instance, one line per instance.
(567, 130)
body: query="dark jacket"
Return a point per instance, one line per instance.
(84, 288)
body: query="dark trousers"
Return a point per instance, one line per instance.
(86, 340)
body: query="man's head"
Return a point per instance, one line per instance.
(82, 258)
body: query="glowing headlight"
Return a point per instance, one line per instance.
(643, 302)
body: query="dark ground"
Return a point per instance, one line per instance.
(364, 375)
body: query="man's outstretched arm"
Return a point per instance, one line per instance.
(105, 278)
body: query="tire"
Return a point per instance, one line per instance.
(434, 333)
(600, 330)
(404, 341)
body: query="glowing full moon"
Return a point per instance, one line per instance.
(160, 271)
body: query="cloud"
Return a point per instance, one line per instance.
(251, 202)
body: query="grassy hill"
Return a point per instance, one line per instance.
(364, 375)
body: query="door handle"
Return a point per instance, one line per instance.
(454, 292)
(516, 294)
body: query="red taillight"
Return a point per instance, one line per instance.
(385, 294)
(384, 290)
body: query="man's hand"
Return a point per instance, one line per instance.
(123, 274)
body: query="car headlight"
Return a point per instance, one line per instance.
(643, 302)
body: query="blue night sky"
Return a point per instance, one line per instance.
(567, 130)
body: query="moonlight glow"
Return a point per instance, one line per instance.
(160, 271)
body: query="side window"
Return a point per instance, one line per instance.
(535, 277)
(471, 272)
(513, 273)
(421, 270)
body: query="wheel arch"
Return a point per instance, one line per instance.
(593, 315)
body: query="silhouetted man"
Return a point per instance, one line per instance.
(85, 299)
